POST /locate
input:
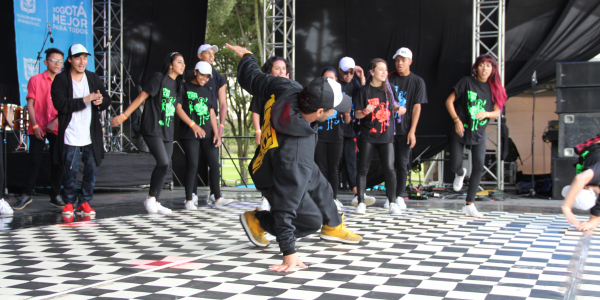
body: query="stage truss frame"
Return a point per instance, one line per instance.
(491, 14)
(108, 53)
(279, 30)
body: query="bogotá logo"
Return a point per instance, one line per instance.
(29, 66)
(28, 6)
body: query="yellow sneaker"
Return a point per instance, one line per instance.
(340, 234)
(253, 230)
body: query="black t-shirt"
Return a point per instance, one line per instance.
(409, 90)
(197, 103)
(351, 89)
(592, 162)
(214, 84)
(376, 127)
(159, 111)
(257, 105)
(331, 129)
(472, 97)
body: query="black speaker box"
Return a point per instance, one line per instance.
(576, 128)
(563, 173)
(577, 100)
(578, 74)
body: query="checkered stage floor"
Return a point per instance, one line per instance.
(421, 254)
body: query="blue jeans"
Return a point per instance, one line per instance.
(71, 157)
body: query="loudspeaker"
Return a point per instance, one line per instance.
(563, 173)
(578, 74)
(577, 100)
(574, 129)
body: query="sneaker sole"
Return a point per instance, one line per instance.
(25, 204)
(369, 201)
(336, 239)
(395, 213)
(56, 205)
(81, 212)
(249, 234)
(67, 213)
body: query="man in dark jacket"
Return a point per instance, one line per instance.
(283, 168)
(79, 96)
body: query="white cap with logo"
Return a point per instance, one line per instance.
(347, 63)
(404, 52)
(204, 68)
(585, 200)
(206, 47)
(77, 49)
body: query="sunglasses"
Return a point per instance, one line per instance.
(349, 72)
(55, 60)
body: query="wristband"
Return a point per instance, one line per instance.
(35, 126)
(192, 124)
(247, 52)
(222, 126)
(257, 131)
(124, 116)
(364, 112)
(487, 114)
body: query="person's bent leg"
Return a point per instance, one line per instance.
(321, 193)
(192, 153)
(334, 153)
(477, 160)
(386, 154)
(402, 151)
(158, 149)
(365, 150)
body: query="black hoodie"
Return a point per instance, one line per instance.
(285, 158)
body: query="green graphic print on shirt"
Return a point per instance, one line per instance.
(476, 106)
(168, 107)
(199, 106)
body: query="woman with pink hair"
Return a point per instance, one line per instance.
(474, 101)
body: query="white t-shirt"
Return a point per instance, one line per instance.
(78, 130)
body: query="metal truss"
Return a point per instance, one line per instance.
(488, 37)
(108, 53)
(279, 29)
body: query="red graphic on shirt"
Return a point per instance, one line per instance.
(382, 115)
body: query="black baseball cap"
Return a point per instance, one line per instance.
(325, 92)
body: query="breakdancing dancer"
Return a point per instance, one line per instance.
(283, 167)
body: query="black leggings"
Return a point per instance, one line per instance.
(194, 151)
(403, 151)
(162, 151)
(386, 154)
(327, 157)
(477, 160)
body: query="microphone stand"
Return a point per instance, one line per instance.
(533, 85)
(39, 57)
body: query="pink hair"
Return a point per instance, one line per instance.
(494, 81)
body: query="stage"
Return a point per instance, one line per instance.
(520, 249)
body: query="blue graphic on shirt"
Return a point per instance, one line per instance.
(332, 120)
(401, 101)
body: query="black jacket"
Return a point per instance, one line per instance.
(285, 158)
(62, 98)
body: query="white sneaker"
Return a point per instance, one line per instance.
(367, 200)
(210, 199)
(458, 181)
(264, 205)
(361, 209)
(338, 204)
(5, 209)
(190, 206)
(195, 199)
(162, 210)
(395, 209)
(471, 211)
(150, 205)
(400, 202)
(386, 205)
(222, 202)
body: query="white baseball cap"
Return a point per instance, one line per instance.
(585, 200)
(77, 49)
(404, 52)
(347, 63)
(204, 68)
(206, 47)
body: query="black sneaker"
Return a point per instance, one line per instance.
(57, 201)
(22, 201)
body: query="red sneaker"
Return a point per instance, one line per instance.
(68, 219)
(68, 210)
(86, 209)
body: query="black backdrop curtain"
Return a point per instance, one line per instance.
(539, 33)
(151, 30)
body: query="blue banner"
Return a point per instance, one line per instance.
(71, 23)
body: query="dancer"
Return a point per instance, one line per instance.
(163, 92)
(284, 169)
(43, 125)
(330, 143)
(275, 66)
(411, 93)
(198, 133)
(217, 85)
(474, 101)
(375, 104)
(79, 96)
(350, 86)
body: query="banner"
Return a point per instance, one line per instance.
(71, 23)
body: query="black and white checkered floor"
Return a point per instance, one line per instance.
(421, 254)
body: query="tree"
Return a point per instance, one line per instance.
(235, 22)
